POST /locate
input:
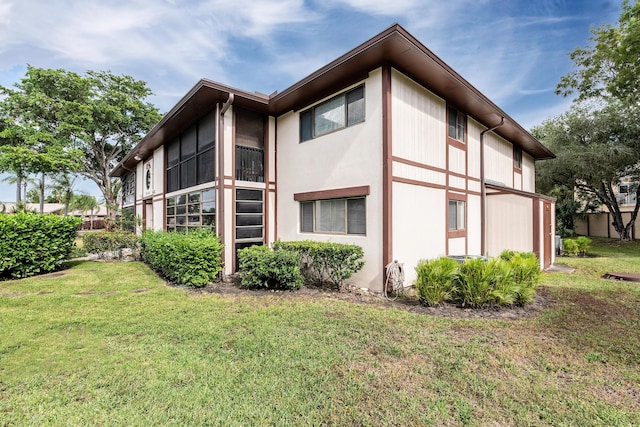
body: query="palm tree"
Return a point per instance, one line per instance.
(62, 189)
(84, 203)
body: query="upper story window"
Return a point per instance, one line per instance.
(341, 111)
(129, 189)
(250, 129)
(517, 157)
(457, 124)
(191, 156)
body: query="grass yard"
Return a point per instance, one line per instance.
(111, 344)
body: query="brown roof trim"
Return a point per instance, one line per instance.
(394, 46)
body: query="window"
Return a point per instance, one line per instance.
(249, 145)
(456, 215)
(129, 189)
(336, 113)
(190, 157)
(517, 157)
(249, 214)
(192, 210)
(341, 216)
(457, 124)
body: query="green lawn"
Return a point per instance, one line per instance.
(110, 344)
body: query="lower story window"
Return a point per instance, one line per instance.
(456, 215)
(196, 209)
(340, 216)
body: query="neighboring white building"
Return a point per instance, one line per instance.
(386, 147)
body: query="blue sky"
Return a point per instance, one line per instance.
(514, 51)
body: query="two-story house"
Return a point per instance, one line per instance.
(386, 147)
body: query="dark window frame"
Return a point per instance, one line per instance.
(195, 167)
(517, 157)
(456, 124)
(351, 97)
(309, 224)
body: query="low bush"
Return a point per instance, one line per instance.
(32, 243)
(577, 247)
(326, 262)
(192, 259)
(511, 279)
(261, 267)
(435, 279)
(110, 244)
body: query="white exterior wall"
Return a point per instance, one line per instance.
(157, 188)
(509, 223)
(270, 192)
(528, 173)
(349, 157)
(419, 221)
(473, 150)
(419, 229)
(418, 124)
(474, 222)
(498, 160)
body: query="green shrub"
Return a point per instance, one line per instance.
(577, 247)
(192, 259)
(261, 267)
(109, 244)
(435, 280)
(526, 273)
(511, 279)
(323, 262)
(32, 244)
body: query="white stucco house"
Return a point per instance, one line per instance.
(386, 147)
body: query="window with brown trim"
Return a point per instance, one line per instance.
(457, 124)
(517, 157)
(339, 112)
(457, 211)
(334, 216)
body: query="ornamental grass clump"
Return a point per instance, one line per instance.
(511, 279)
(435, 280)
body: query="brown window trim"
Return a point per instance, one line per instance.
(463, 198)
(339, 193)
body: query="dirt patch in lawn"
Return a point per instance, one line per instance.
(407, 302)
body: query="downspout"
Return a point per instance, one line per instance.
(220, 201)
(483, 191)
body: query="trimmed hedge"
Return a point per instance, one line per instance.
(509, 280)
(326, 262)
(261, 267)
(109, 243)
(32, 243)
(192, 259)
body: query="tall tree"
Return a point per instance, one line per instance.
(595, 152)
(35, 137)
(120, 117)
(607, 77)
(103, 115)
(610, 67)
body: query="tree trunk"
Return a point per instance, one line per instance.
(42, 193)
(18, 188)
